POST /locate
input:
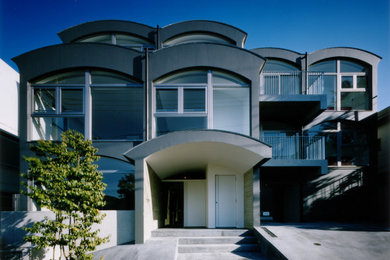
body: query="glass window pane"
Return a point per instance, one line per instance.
(44, 100)
(124, 39)
(169, 124)
(103, 38)
(194, 100)
(354, 100)
(106, 77)
(117, 113)
(279, 66)
(330, 88)
(231, 109)
(71, 100)
(73, 77)
(349, 66)
(119, 192)
(361, 81)
(166, 100)
(226, 78)
(197, 37)
(346, 82)
(197, 76)
(50, 128)
(324, 66)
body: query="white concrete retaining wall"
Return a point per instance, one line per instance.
(119, 225)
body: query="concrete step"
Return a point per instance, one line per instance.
(173, 232)
(217, 248)
(218, 240)
(221, 256)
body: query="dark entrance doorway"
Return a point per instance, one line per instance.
(173, 205)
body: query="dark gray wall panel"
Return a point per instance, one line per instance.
(67, 56)
(73, 33)
(236, 35)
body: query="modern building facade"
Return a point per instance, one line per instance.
(193, 129)
(9, 141)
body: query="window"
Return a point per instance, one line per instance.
(117, 107)
(121, 39)
(280, 78)
(346, 142)
(346, 84)
(119, 178)
(230, 104)
(201, 99)
(197, 37)
(59, 103)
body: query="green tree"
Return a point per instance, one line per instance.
(64, 179)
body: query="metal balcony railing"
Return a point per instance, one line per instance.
(296, 147)
(291, 83)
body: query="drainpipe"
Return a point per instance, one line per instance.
(158, 43)
(307, 75)
(146, 91)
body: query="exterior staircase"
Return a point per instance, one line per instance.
(213, 243)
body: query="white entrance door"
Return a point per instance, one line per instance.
(194, 204)
(225, 200)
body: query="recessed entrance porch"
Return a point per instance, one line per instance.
(197, 179)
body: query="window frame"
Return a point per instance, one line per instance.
(209, 87)
(86, 112)
(339, 89)
(113, 35)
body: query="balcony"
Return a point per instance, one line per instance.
(291, 83)
(295, 151)
(293, 97)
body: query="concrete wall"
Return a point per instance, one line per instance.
(151, 192)
(248, 199)
(9, 143)
(9, 99)
(119, 225)
(195, 203)
(212, 171)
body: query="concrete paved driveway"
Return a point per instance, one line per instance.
(328, 240)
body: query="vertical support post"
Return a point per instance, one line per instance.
(209, 96)
(88, 107)
(146, 95)
(256, 196)
(139, 202)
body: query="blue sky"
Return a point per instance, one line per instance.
(299, 25)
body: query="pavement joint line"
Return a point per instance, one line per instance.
(269, 232)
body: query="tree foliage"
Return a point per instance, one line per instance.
(64, 179)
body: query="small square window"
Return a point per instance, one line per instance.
(194, 100)
(166, 100)
(71, 100)
(347, 82)
(44, 100)
(361, 82)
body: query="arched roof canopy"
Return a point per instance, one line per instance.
(205, 55)
(103, 26)
(344, 52)
(79, 55)
(187, 150)
(280, 54)
(227, 31)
